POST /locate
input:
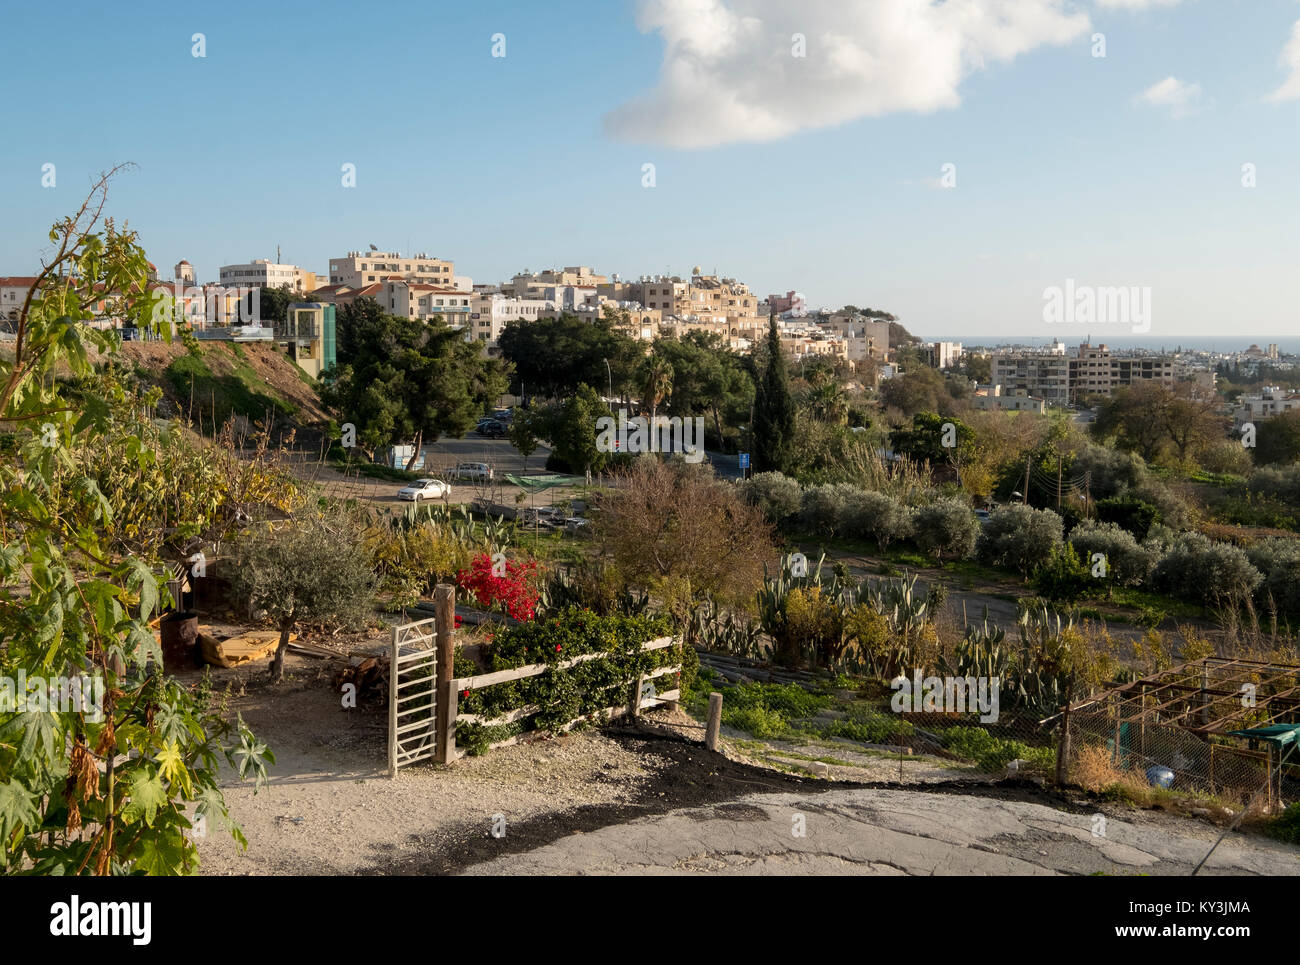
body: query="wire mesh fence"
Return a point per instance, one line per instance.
(1202, 728)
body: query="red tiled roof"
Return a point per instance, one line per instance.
(18, 281)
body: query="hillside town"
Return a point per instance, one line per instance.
(677, 438)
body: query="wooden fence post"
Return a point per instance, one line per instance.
(714, 727)
(444, 616)
(392, 708)
(634, 704)
(1063, 749)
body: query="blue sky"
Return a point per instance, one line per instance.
(819, 174)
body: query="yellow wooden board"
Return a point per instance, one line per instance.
(245, 648)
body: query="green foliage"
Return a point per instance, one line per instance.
(924, 439)
(564, 694)
(313, 570)
(1127, 562)
(1129, 513)
(946, 528)
(1199, 568)
(1286, 826)
(551, 357)
(777, 496)
(1065, 577)
(994, 753)
(570, 427)
(400, 379)
(774, 411)
(85, 792)
(1021, 537)
(1277, 439)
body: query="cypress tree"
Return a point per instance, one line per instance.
(773, 409)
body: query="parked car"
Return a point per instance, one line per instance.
(472, 471)
(575, 523)
(424, 489)
(491, 428)
(983, 515)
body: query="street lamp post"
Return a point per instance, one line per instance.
(610, 375)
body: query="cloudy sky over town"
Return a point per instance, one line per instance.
(945, 161)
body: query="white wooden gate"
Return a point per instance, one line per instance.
(412, 694)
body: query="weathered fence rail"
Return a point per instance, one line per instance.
(636, 702)
(424, 697)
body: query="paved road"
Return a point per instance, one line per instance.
(894, 832)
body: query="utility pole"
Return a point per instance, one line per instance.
(1059, 460)
(1025, 494)
(1087, 494)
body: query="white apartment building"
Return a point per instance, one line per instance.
(945, 355)
(361, 268)
(1271, 401)
(264, 273)
(490, 312)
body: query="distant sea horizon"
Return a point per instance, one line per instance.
(1288, 344)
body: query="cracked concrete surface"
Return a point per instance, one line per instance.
(888, 832)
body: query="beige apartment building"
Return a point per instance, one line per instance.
(263, 273)
(361, 268)
(397, 296)
(527, 284)
(1043, 376)
(1094, 371)
(1091, 371)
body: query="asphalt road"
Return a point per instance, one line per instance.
(896, 832)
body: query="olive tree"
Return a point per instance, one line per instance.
(1021, 537)
(312, 569)
(945, 528)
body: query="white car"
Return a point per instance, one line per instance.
(424, 489)
(473, 471)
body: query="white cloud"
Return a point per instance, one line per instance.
(728, 74)
(1172, 93)
(1290, 58)
(1136, 4)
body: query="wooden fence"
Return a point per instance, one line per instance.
(636, 702)
(423, 695)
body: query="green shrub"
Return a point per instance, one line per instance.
(777, 496)
(945, 528)
(1021, 537)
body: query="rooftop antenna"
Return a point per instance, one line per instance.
(277, 254)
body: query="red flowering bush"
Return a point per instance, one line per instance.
(514, 592)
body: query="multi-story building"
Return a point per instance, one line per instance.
(1271, 401)
(791, 303)
(1095, 371)
(526, 283)
(490, 312)
(1044, 376)
(1092, 371)
(944, 355)
(397, 296)
(263, 273)
(361, 268)
(863, 337)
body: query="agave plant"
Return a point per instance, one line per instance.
(1042, 675)
(981, 653)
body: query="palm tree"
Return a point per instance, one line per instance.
(828, 402)
(656, 383)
